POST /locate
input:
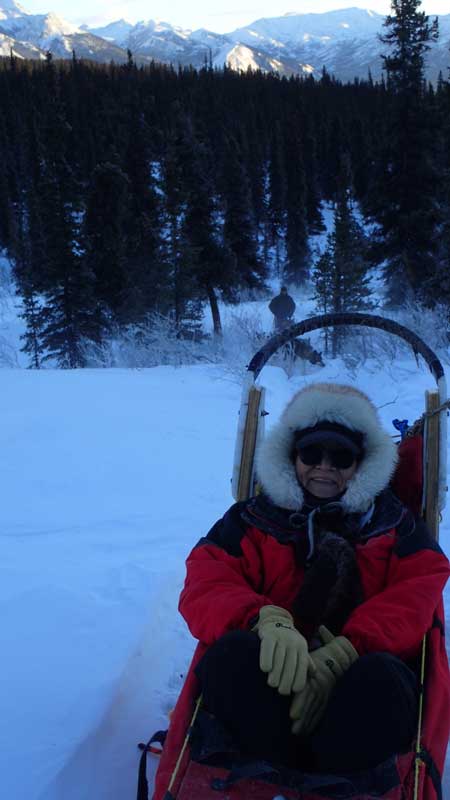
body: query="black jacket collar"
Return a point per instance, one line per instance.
(387, 513)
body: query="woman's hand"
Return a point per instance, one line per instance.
(330, 661)
(284, 651)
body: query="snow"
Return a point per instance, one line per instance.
(345, 41)
(237, 57)
(294, 28)
(10, 9)
(38, 29)
(117, 32)
(109, 477)
(6, 44)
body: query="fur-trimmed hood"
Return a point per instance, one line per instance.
(335, 403)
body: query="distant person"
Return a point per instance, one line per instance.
(282, 307)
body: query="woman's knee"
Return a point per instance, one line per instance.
(386, 676)
(371, 715)
(235, 652)
(386, 667)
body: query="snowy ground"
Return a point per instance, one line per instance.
(108, 478)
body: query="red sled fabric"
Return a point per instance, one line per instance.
(179, 725)
(407, 482)
(199, 780)
(436, 720)
(196, 781)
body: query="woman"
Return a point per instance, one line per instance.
(315, 595)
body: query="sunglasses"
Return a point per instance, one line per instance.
(340, 458)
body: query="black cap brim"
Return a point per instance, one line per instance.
(334, 439)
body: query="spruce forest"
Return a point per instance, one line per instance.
(127, 191)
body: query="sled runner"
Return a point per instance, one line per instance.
(199, 761)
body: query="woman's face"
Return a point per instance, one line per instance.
(323, 480)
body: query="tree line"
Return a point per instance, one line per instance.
(128, 190)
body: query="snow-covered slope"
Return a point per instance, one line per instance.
(32, 35)
(38, 29)
(292, 30)
(241, 57)
(9, 9)
(116, 32)
(10, 46)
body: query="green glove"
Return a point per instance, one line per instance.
(331, 661)
(284, 651)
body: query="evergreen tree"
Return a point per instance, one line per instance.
(144, 270)
(335, 151)
(70, 312)
(71, 316)
(256, 159)
(409, 34)
(360, 153)
(206, 257)
(27, 282)
(341, 276)
(297, 249)
(313, 212)
(35, 325)
(438, 288)
(404, 201)
(27, 245)
(105, 237)
(179, 283)
(59, 309)
(5, 194)
(324, 280)
(239, 229)
(277, 199)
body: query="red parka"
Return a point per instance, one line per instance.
(249, 560)
(253, 557)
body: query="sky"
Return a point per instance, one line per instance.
(221, 16)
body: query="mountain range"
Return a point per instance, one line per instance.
(345, 42)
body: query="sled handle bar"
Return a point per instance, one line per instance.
(327, 320)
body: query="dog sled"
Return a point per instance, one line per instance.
(197, 761)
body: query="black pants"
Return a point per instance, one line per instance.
(371, 714)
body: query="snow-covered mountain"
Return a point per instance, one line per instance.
(10, 46)
(116, 32)
(345, 42)
(32, 35)
(292, 29)
(9, 9)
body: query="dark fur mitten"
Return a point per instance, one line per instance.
(332, 585)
